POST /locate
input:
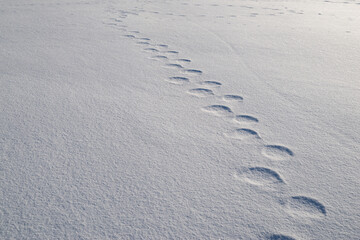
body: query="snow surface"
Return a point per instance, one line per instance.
(179, 119)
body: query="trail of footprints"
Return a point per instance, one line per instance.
(257, 176)
(239, 10)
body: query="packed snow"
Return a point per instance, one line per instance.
(179, 119)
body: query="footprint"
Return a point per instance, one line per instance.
(129, 36)
(159, 57)
(144, 39)
(178, 80)
(134, 32)
(143, 43)
(201, 92)
(162, 45)
(233, 98)
(279, 237)
(193, 71)
(246, 119)
(277, 152)
(210, 84)
(243, 134)
(151, 50)
(305, 207)
(218, 110)
(183, 60)
(173, 65)
(171, 52)
(259, 176)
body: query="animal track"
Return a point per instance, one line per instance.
(259, 176)
(233, 98)
(246, 119)
(201, 92)
(162, 45)
(218, 110)
(129, 36)
(183, 60)
(193, 71)
(173, 65)
(159, 57)
(171, 52)
(243, 134)
(280, 237)
(143, 43)
(211, 84)
(305, 206)
(277, 152)
(151, 50)
(178, 80)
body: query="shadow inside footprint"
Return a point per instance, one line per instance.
(159, 57)
(178, 80)
(218, 110)
(277, 152)
(280, 237)
(151, 50)
(162, 45)
(201, 92)
(211, 84)
(243, 134)
(259, 176)
(173, 65)
(305, 206)
(246, 119)
(233, 98)
(171, 52)
(193, 71)
(183, 60)
(143, 43)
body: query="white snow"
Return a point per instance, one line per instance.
(179, 119)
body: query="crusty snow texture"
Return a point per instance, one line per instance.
(179, 119)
